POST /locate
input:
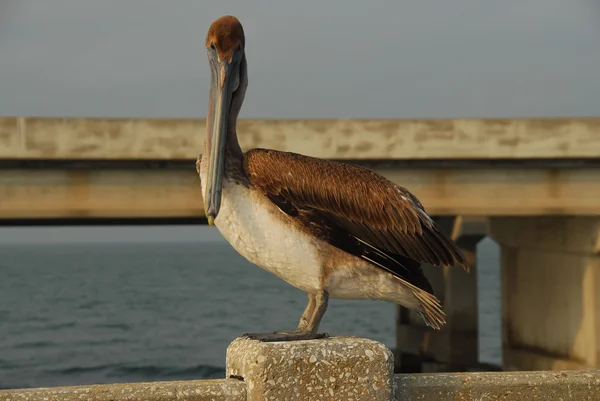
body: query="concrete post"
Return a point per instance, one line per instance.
(454, 348)
(337, 368)
(550, 291)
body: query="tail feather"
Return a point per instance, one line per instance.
(432, 311)
(430, 307)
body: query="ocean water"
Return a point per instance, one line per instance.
(120, 312)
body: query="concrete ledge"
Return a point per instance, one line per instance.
(172, 139)
(509, 386)
(197, 390)
(337, 368)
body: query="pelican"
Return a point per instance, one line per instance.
(331, 229)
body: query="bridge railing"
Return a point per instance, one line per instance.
(35, 138)
(338, 368)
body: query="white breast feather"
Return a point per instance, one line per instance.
(265, 240)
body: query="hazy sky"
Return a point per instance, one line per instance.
(310, 58)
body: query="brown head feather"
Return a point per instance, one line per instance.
(226, 34)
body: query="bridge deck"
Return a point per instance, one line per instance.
(58, 167)
(172, 139)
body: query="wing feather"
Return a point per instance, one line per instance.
(345, 199)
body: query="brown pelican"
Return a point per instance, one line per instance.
(328, 228)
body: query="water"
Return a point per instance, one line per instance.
(100, 313)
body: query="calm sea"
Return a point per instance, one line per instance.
(120, 312)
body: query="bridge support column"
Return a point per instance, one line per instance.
(550, 291)
(454, 348)
(340, 368)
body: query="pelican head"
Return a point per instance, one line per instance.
(225, 43)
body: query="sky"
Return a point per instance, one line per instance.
(307, 59)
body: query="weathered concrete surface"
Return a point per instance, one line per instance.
(550, 270)
(507, 386)
(92, 138)
(54, 193)
(577, 234)
(337, 368)
(303, 372)
(193, 390)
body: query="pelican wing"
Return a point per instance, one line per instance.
(355, 209)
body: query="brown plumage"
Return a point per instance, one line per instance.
(360, 213)
(225, 34)
(367, 205)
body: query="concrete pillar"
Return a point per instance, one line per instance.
(489, 301)
(337, 368)
(454, 347)
(550, 291)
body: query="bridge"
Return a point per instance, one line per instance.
(533, 185)
(111, 168)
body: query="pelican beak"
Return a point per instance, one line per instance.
(223, 76)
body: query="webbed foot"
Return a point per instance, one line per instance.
(293, 335)
(308, 326)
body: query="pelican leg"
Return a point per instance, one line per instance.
(310, 308)
(305, 331)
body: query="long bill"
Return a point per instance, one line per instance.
(218, 118)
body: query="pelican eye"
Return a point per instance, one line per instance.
(212, 45)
